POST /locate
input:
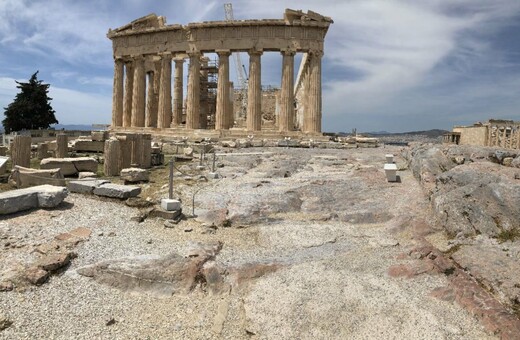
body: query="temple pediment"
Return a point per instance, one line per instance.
(291, 15)
(149, 21)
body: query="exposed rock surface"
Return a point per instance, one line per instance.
(314, 265)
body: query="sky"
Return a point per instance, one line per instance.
(389, 65)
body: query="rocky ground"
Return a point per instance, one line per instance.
(288, 243)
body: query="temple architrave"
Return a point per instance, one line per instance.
(146, 98)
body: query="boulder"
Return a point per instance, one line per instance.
(53, 262)
(117, 190)
(228, 144)
(70, 166)
(42, 196)
(134, 175)
(36, 275)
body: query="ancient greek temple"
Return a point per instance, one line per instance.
(144, 99)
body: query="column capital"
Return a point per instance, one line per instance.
(288, 51)
(165, 54)
(119, 58)
(178, 61)
(255, 51)
(223, 52)
(315, 53)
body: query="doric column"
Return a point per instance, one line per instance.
(221, 121)
(286, 116)
(139, 94)
(151, 113)
(165, 92)
(129, 90)
(177, 92)
(193, 96)
(312, 121)
(254, 92)
(117, 98)
(204, 94)
(230, 113)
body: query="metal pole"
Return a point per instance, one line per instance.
(214, 159)
(170, 192)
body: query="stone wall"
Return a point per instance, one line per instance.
(472, 135)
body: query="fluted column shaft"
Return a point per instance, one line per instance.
(117, 99)
(151, 113)
(129, 90)
(254, 93)
(177, 92)
(313, 118)
(139, 95)
(193, 96)
(230, 113)
(165, 92)
(286, 116)
(221, 119)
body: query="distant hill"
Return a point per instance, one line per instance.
(429, 133)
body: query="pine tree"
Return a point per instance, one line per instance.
(31, 108)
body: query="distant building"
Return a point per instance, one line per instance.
(495, 132)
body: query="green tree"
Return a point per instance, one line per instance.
(31, 109)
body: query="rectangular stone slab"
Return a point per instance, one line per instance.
(117, 190)
(85, 186)
(42, 196)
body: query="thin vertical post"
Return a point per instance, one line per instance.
(170, 183)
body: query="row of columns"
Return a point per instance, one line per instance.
(132, 107)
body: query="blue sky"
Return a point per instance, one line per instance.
(395, 65)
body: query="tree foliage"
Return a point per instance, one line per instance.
(31, 108)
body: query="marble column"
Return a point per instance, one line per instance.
(254, 92)
(230, 113)
(312, 120)
(165, 92)
(117, 98)
(151, 113)
(221, 119)
(286, 115)
(177, 92)
(204, 94)
(193, 96)
(139, 94)
(129, 90)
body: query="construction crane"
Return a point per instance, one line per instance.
(240, 68)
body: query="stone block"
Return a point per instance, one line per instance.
(167, 215)
(3, 164)
(89, 146)
(117, 190)
(134, 175)
(86, 174)
(391, 172)
(85, 186)
(157, 159)
(3, 150)
(25, 177)
(170, 204)
(99, 135)
(389, 158)
(70, 166)
(44, 196)
(213, 175)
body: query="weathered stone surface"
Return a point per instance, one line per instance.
(36, 275)
(117, 190)
(134, 175)
(228, 144)
(85, 186)
(167, 275)
(86, 174)
(427, 162)
(43, 196)
(99, 135)
(70, 166)
(188, 152)
(53, 262)
(3, 164)
(25, 177)
(474, 199)
(89, 146)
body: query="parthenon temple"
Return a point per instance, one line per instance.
(144, 99)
